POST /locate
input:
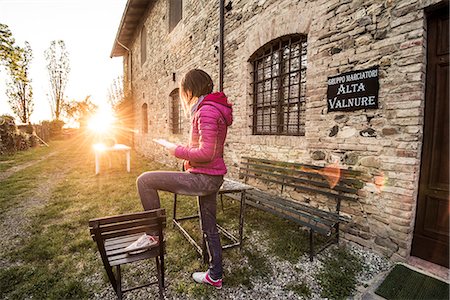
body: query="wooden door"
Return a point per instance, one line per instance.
(431, 232)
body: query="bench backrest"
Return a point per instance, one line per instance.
(331, 181)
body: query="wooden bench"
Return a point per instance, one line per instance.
(114, 234)
(329, 183)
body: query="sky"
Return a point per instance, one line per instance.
(88, 28)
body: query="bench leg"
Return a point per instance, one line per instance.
(241, 219)
(336, 226)
(311, 244)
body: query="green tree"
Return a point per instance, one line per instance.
(80, 111)
(115, 92)
(19, 89)
(58, 66)
(8, 51)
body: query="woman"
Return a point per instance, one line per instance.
(210, 114)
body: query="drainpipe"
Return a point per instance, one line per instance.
(130, 61)
(130, 85)
(221, 38)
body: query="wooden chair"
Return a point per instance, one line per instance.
(113, 234)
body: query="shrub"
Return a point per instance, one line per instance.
(56, 129)
(50, 130)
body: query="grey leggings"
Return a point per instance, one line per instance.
(202, 185)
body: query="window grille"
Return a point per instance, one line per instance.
(144, 118)
(175, 13)
(279, 87)
(177, 112)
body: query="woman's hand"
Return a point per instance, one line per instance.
(168, 145)
(171, 149)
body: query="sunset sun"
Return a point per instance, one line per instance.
(102, 122)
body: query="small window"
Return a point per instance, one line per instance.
(279, 87)
(144, 118)
(177, 112)
(175, 13)
(143, 45)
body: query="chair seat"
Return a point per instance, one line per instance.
(117, 255)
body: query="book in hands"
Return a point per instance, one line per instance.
(164, 143)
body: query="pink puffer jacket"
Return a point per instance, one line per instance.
(208, 133)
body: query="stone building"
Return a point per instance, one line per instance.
(360, 82)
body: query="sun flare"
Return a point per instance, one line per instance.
(102, 122)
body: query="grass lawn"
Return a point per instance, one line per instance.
(47, 252)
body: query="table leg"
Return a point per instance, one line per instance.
(128, 161)
(97, 163)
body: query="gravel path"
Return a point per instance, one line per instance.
(20, 167)
(272, 287)
(15, 222)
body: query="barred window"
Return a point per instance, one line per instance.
(177, 112)
(144, 118)
(279, 87)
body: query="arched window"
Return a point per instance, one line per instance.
(143, 45)
(279, 86)
(176, 113)
(144, 118)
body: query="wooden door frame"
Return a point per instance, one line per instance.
(433, 11)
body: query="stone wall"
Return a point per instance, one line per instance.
(345, 35)
(193, 43)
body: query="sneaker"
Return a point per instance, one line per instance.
(203, 277)
(143, 243)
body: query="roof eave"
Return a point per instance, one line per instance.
(131, 17)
